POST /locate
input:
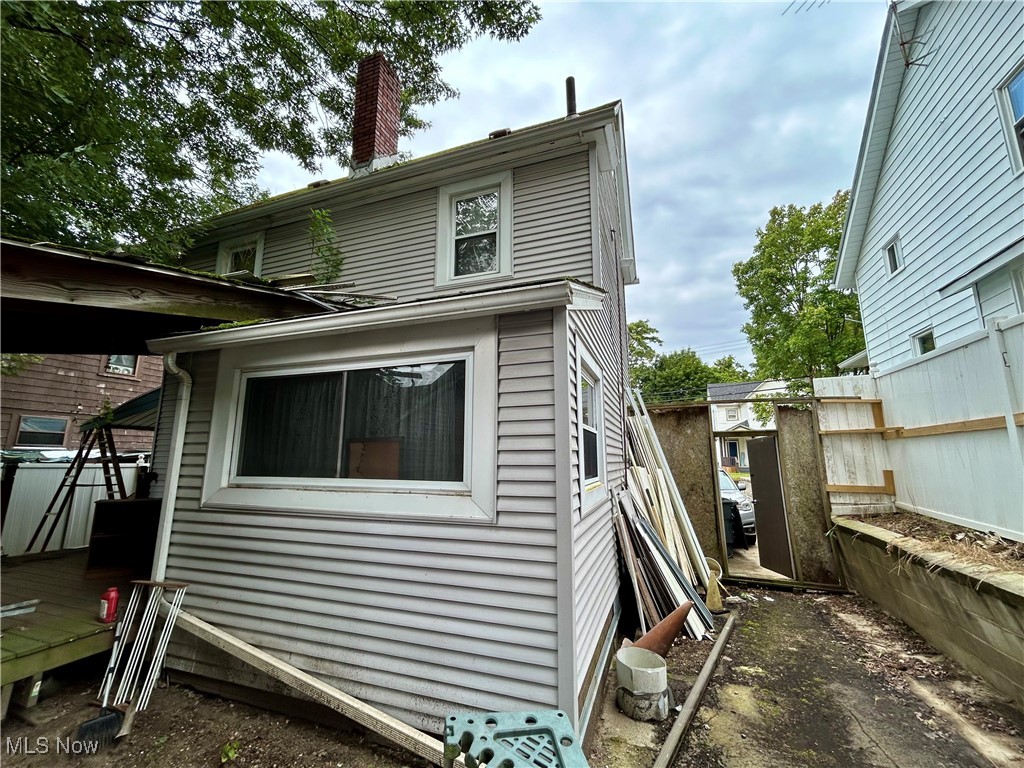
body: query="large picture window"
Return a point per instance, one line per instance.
(384, 424)
(403, 422)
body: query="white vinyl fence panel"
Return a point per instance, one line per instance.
(969, 393)
(34, 486)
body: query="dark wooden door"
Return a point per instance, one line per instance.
(770, 506)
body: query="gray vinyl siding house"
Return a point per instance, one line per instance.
(939, 180)
(498, 592)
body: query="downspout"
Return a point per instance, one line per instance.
(181, 404)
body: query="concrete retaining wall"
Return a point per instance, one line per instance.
(972, 613)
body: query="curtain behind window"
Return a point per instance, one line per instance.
(418, 409)
(290, 426)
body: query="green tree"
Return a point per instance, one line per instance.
(15, 364)
(726, 369)
(800, 326)
(640, 350)
(133, 121)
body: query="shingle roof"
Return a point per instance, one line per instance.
(739, 390)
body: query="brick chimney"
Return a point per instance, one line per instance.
(377, 112)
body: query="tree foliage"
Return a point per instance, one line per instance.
(642, 337)
(800, 326)
(679, 375)
(12, 364)
(132, 121)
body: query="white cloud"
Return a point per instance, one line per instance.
(731, 108)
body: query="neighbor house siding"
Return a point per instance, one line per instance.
(600, 334)
(76, 388)
(390, 245)
(947, 186)
(995, 294)
(163, 435)
(419, 618)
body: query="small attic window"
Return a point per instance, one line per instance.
(241, 254)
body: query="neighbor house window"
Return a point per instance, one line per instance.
(474, 230)
(397, 422)
(242, 254)
(924, 342)
(732, 414)
(42, 431)
(1010, 95)
(126, 365)
(893, 255)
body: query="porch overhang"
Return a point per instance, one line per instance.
(522, 298)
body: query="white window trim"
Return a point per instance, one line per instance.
(900, 261)
(472, 501)
(1017, 284)
(226, 248)
(916, 337)
(592, 493)
(42, 446)
(1005, 108)
(735, 414)
(501, 183)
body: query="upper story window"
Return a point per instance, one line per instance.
(42, 431)
(125, 365)
(241, 254)
(1011, 104)
(732, 414)
(893, 255)
(474, 230)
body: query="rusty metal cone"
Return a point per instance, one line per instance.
(659, 638)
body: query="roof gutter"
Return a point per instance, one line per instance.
(517, 299)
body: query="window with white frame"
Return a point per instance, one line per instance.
(1010, 94)
(474, 230)
(893, 253)
(395, 426)
(241, 254)
(590, 432)
(124, 365)
(923, 341)
(732, 414)
(41, 431)
(395, 422)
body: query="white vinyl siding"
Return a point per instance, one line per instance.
(945, 185)
(389, 245)
(595, 565)
(996, 294)
(419, 618)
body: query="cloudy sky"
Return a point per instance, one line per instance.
(730, 107)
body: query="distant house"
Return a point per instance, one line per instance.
(413, 499)
(934, 248)
(732, 411)
(44, 406)
(934, 241)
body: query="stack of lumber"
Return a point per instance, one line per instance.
(657, 541)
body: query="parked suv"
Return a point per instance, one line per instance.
(734, 493)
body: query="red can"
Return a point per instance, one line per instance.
(108, 606)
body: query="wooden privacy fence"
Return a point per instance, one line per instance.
(940, 435)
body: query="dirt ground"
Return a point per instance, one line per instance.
(805, 680)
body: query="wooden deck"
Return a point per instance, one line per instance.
(64, 627)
